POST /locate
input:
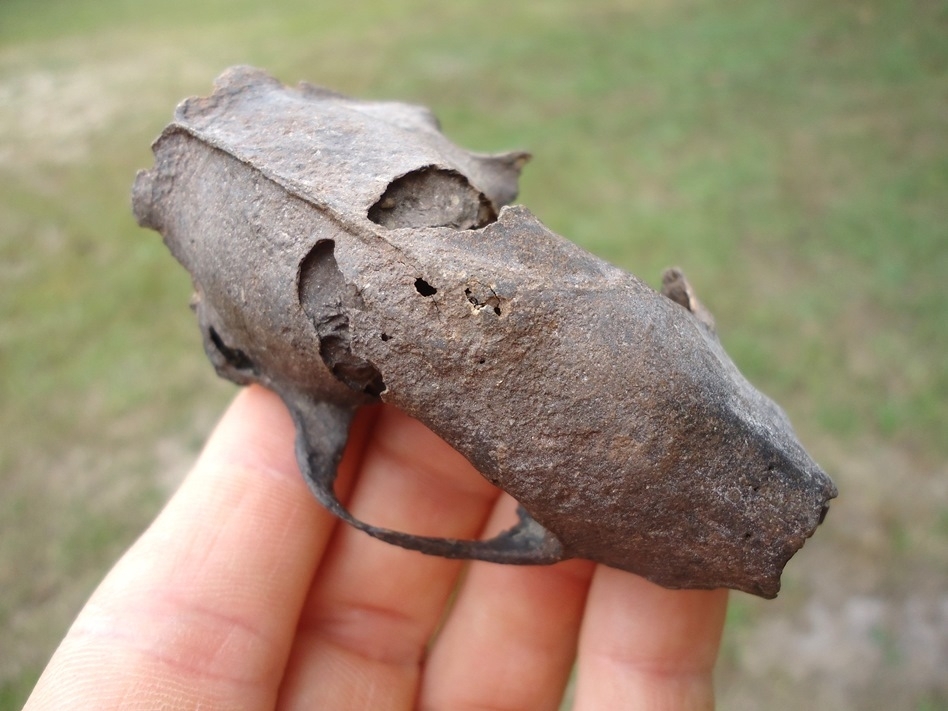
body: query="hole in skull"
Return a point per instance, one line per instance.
(235, 357)
(424, 288)
(487, 298)
(327, 299)
(432, 197)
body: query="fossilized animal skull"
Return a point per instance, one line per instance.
(345, 251)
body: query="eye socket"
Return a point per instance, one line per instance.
(327, 299)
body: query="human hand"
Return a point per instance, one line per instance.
(246, 594)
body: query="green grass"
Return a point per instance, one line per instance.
(791, 157)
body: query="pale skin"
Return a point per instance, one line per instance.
(245, 594)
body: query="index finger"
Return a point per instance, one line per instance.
(201, 611)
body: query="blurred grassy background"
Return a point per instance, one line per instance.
(791, 157)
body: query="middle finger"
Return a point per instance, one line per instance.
(374, 606)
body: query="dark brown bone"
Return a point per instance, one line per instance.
(345, 251)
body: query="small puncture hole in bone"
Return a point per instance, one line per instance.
(491, 300)
(424, 288)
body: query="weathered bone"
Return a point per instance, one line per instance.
(344, 252)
